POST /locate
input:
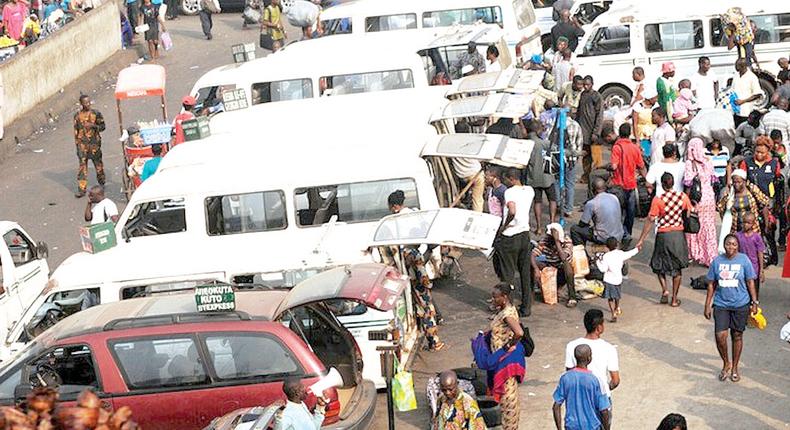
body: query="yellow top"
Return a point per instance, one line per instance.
(272, 15)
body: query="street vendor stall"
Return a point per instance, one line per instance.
(136, 82)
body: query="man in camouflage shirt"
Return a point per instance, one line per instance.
(88, 124)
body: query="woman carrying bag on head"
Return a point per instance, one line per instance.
(698, 179)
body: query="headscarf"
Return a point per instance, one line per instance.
(739, 173)
(697, 163)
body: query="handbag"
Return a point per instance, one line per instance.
(694, 191)
(266, 41)
(691, 223)
(527, 342)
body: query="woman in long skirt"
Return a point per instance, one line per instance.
(702, 246)
(505, 332)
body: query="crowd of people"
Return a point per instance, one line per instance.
(25, 22)
(719, 205)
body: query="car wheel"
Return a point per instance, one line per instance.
(615, 96)
(768, 90)
(189, 7)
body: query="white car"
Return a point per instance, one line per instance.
(23, 273)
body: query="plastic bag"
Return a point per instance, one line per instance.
(403, 392)
(758, 320)
(548, 284)
(167, 42)
(302, 13)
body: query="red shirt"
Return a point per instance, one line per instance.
(626, 158)
(183, 116)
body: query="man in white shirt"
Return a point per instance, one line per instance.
(605, 364)
(663, 135)
(295, 416)
(670, 164)
(99, 208)
(747, 89)
(513, 243)
(705, 85)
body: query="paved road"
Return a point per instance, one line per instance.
(38, 183)
(668, 360)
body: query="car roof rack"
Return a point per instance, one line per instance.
(191, 317)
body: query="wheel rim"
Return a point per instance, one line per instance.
(189, 6)
(614, 100)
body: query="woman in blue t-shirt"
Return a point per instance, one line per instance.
(731, 296)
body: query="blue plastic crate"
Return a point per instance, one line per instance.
(156, 135)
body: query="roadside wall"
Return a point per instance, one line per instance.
(42, 70)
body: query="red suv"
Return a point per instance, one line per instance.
(177, 368)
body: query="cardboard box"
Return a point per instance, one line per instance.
(195, 129)
(98, 237)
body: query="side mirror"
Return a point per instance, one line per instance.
(42, 250)
(21, 391)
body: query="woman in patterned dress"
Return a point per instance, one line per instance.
(423, 300)
(505, 333)
(703, 246)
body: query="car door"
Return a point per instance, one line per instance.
(25, 273)
(248, 368)
(70, 369)
(166, 381)
(447, 226)
(441, 150)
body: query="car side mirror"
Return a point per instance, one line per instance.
(42, 250)
(21, 391)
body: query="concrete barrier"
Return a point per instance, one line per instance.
(43, 69)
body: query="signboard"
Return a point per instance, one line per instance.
(234, 99)
(215, 298)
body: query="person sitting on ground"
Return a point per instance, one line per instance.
(457, 410)
(152, 164)
(601, 219)
(586, 406)
(611, 264)
(555, 250)
(296, 416)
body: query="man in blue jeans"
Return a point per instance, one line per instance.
(626, 163)
(586, 407)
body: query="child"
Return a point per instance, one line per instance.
(751, 243)
(683, 107)
(719, 156)
(611, 264)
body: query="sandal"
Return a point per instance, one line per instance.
(618, 312)
(571, 303)
(664, 299)
(676, 303)
(734, 377)
(613, 320)
(439, 346)
(724, 374)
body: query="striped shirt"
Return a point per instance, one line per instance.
(776, 119)
(719, 161)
